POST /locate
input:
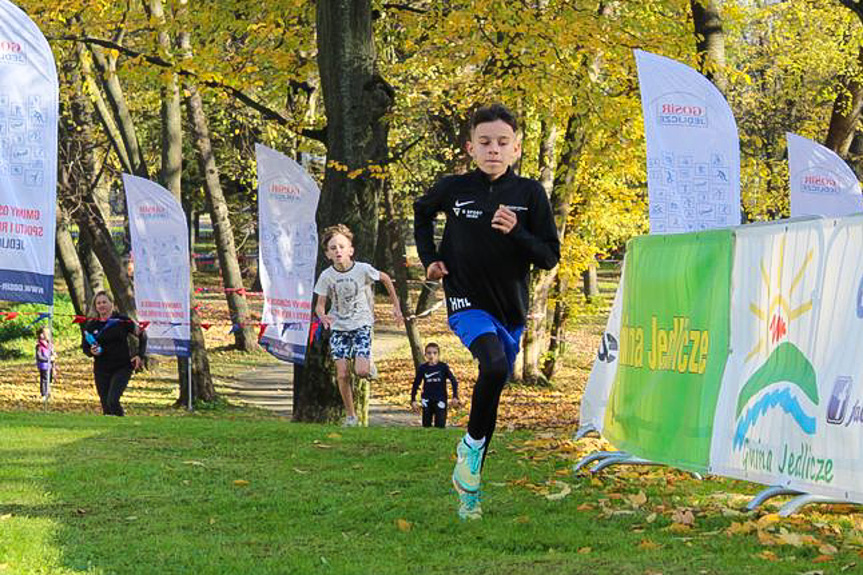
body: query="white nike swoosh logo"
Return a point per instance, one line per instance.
(459, 204)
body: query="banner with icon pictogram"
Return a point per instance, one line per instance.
(29, 95)
(693, 152)
(160, 257)
(288, 239)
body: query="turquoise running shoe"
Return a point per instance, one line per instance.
(465, 476)
(469, 505)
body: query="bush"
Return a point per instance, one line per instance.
(18, 337)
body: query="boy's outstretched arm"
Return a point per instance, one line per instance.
(321, 311)
(451, 376)
(414, 389)
(394, 298)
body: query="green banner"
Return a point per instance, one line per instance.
(673, 348)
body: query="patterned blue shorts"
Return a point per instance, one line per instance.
(351, 344)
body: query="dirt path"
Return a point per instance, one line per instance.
(270, 387)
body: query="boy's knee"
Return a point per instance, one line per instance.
(362, 370)
(496, 368)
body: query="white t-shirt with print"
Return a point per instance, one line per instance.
(348, 293)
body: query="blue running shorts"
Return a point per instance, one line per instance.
(472, 323)
(351, 344)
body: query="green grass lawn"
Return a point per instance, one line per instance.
(89, 494)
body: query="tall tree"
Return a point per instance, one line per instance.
(232, 278)
(710, 41)
(170, 177)
(356, 99)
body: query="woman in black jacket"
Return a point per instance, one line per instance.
(117, 343)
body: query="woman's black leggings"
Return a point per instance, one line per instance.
(493, 373)
(111, 385)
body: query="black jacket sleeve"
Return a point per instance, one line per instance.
(538, 239)
(451, 376)
(136, 340)
(416, 385)
(85, 346)
(425, 210)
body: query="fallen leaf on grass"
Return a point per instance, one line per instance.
(847, 567)
(403, 525)
(585, 550)
(768, 519)
(648, 545)
(683, 516)
(765, 538)
(5, 516)
(565, 490)
(637, 500)
(651, 518)
(212, 520)
(678, 528)
(193, 462)
(300, 471)
(334, 435)
(816, 572)
(741, 528)
(240, 483)
(522, 519)
(822, 559)
(789, 538)
(768, 555)
(132, 518)
(827, 549)
(586, 507)
(320, 445)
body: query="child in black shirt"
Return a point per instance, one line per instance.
(433, 375)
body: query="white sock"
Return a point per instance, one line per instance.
(474, 443)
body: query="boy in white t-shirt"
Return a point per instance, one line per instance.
(346, 284)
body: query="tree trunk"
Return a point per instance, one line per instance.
(590, 283)
(855, 154)
(226, 250)
(396, 246)
(846, 112)
(122, 116)
(202, 381)
(556, 345)
(170, 176)
(426, 298)
(92, 228)
(93, 273)
(70, 264)
(102, 111)
(316, 396)
(561, 200)
(356, 99)
(710, 41)
(540, 280)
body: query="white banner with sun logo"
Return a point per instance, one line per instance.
(791, 408)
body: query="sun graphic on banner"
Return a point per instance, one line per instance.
(779, 314)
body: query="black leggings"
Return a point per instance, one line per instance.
(433, 413)
(493, 373)
(111, 385)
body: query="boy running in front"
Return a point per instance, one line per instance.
(498, 225)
